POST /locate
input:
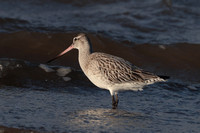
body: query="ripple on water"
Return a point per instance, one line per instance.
(102, 120)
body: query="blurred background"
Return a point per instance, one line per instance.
(160, 36)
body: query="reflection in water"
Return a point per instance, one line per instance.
(105, 120)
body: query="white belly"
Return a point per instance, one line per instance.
(98, 80)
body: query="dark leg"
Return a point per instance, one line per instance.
(115, 101)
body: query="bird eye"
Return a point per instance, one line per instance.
(75, 39)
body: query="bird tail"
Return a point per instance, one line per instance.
(164, 77)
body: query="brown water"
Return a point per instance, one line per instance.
(160, 36)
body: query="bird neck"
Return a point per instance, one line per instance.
(83, 57)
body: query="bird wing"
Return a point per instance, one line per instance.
(118, 70)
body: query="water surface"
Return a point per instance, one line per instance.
(161, 36)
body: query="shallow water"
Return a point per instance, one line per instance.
(161, 36)
(50, 104)
(153, 110)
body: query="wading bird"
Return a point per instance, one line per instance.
(109, 72)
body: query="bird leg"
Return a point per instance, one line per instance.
(114, 101)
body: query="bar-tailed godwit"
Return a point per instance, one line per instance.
(109, 72)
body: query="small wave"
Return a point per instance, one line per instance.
(21, 73)
(87, 2)
(12, 21)
(179, 61)
(11, 24)
(156, 21)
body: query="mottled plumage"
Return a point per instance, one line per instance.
(109, 72)
(118, 70)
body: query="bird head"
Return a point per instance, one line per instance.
(79, 42)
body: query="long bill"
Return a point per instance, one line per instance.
(62, 53)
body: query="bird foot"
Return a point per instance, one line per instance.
(114, 102)
(114, 105)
